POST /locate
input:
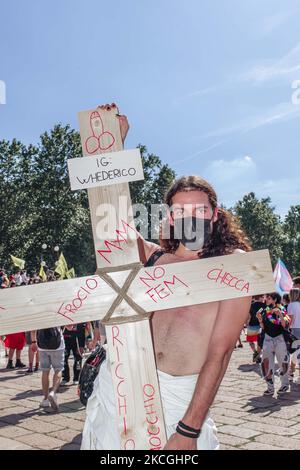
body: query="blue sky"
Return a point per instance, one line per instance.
(206, 85)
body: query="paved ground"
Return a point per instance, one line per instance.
(244, 418)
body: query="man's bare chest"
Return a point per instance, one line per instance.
(192, 324)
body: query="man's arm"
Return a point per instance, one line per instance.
(229, 322)
(146, 248)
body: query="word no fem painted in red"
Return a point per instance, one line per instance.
(163, 289)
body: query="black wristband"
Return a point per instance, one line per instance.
(186, 434)
(33, 341)
(188, 428)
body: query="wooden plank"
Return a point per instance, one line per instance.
(111, 215)
(105, 170)
(204, 280)
(155, 288)
(141, 420)
(110, 208)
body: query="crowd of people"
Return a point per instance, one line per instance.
(273, 332)
(22, 278)
(271, 318)
(51, 347)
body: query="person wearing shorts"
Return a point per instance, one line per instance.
(253, 327)
(15, 342)
(50, 358)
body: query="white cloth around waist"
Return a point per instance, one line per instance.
(101, 428)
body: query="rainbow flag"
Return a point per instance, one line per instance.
(282, 277)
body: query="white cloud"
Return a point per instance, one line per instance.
(201, 92)
(234, 178)
(199, 152)
(286, 67)
(269, 24)
(280, 113)
(230, 171)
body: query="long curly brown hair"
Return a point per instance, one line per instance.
(226, 236)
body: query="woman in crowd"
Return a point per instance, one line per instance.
(294, 313)
(15, 342)
(273, 320)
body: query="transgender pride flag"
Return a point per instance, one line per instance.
(282, 277)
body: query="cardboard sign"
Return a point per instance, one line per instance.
(105, 169)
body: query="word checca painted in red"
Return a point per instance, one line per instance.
(149, 397)
(80, 297)
(223, 277)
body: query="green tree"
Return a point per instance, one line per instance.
(158, 178)
(39, 207)
(261, 224)
(62, 216)
(291, 240)
(16, 211)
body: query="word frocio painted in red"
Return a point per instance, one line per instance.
(221, 276)
(81, 295)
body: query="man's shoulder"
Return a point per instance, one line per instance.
(154, 257)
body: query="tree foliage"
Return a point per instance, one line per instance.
(38, 206)
(266, 229)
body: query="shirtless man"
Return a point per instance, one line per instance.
(193, 344)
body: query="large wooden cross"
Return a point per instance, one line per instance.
(123, 293)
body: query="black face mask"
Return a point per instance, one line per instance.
(192, 232)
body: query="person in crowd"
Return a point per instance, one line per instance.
(296, 282)
(239, 341)
(273, 320)
(24, 278)
(253, 327)
(4, 280)
(2, 340)
(74, 336)
(18, 278)
(294, 313)
(31, 355)
(285, 300)
(15, 343)
(51, 345)
(99, 335)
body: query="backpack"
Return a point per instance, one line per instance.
(291, 341)
(89, 373)
(49, 338)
